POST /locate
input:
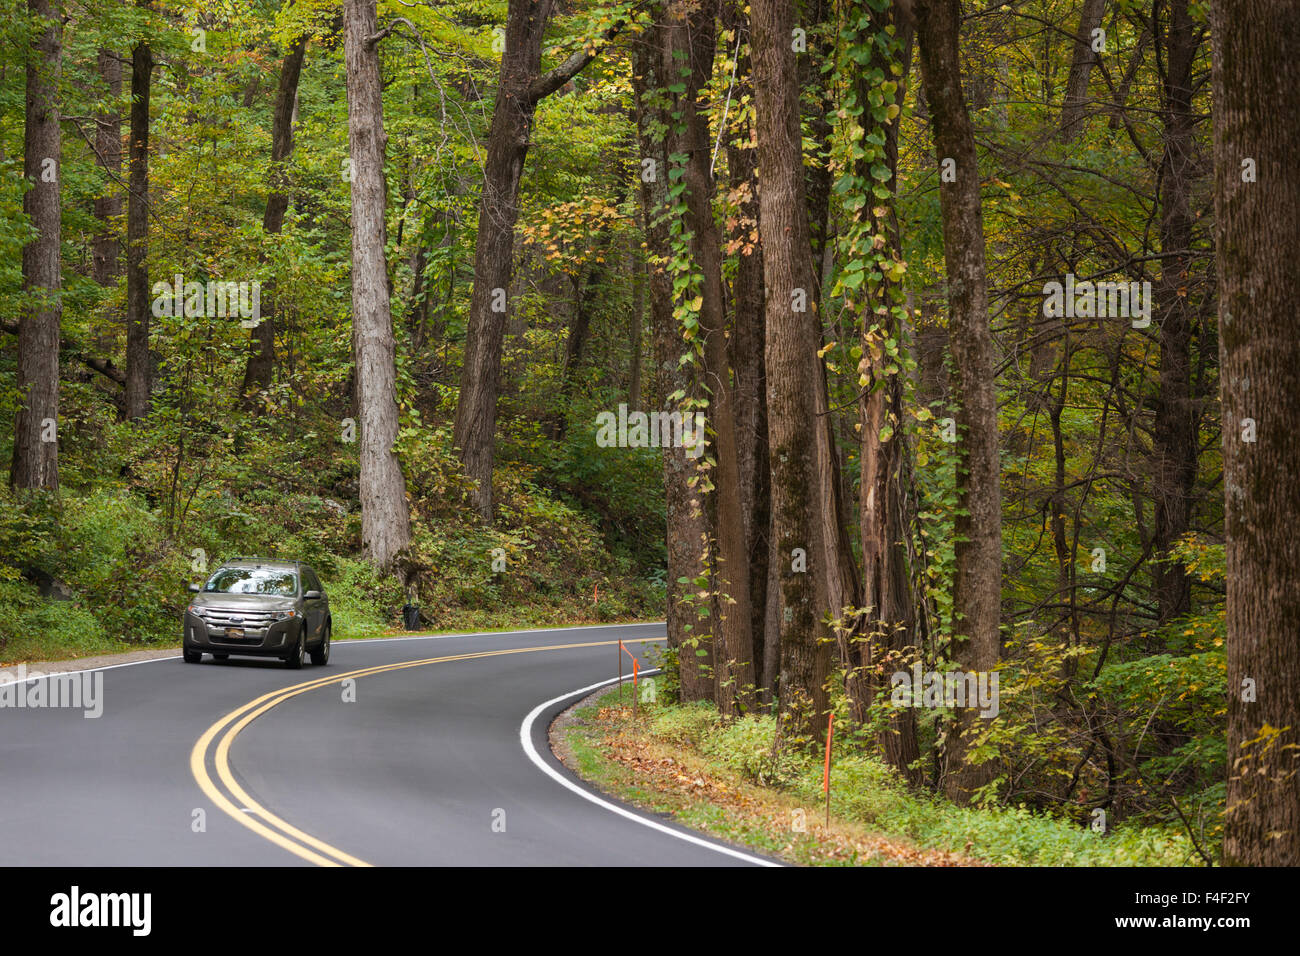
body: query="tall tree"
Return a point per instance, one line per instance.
(977, 579)
(107, 250)
(36, 450)
(747, 344)
(1175, 438)
(138, 303)
(261, 358)
(890, 620)
(1085, 57)
(385, 519)
(635, 264)
(691, 37)
(520, 86)
(687, 527)
(788, 280)
(839, 586)
(1256, 84)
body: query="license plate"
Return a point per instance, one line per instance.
(234, 632)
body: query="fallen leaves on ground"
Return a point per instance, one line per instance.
(682, 778)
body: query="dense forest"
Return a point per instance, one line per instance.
(854, 338)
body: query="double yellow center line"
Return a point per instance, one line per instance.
(236, 802)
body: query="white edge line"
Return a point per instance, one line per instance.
(354, 640)
(86, 670)
(526, 739)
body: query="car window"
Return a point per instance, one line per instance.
(275, 581)
(310, 581)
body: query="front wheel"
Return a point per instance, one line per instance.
(294, 660)
(321, 655)
(191, 657)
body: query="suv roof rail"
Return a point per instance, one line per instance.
(245, 557)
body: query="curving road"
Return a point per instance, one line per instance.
(441, 759)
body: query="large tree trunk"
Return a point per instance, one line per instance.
(816, 106)
(508, 140)
(789, 277)
(261, 357)
(1174, 439)
(687, 526)
(690, 43)
(838, 584)
(750, 378)
(138, 303)
(519, 88)
(890, 624)
(36, 449)
(1256, 77)
(978, 575)
(385, 521)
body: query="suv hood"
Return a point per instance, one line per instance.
(243, 602)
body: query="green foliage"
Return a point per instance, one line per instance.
(362, 603)
(866, 790)
(685, 724)
(747, 746)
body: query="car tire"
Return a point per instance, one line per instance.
(191, 657)
(321, 655)
(294, 660)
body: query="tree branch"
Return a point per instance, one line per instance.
(549, 82)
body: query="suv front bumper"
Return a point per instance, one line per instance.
(274, 640)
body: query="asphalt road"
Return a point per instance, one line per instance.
(247, 763)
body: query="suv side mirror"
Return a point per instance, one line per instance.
(311, 596)
(195, 587)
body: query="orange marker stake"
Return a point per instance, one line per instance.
(826, 774)
(636, 666)
(621, 651)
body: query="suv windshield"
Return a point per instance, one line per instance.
(277, 581)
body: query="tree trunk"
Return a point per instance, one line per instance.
(261, 357)
(890, 625)
(635, 324)
(385, 521)
(747, 343)
(691, 43)
(36, 449)
(816, 107)
(575, 343)
(1076, 86)
(1174, 438)
(687, 527)
(519, 88)
(107, 250)
(788, 278)
(138, 303)
(1256, 84)
(978, 574)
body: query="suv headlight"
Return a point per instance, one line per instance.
(282, 615)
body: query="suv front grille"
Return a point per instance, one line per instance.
(252, 620)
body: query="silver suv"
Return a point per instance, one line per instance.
(261, 608)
